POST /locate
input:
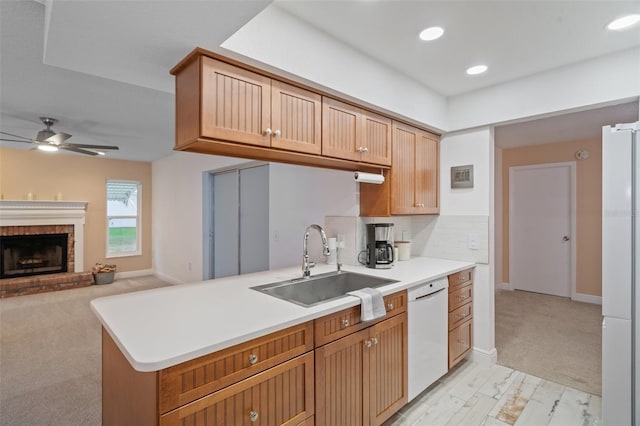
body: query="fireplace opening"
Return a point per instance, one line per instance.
(24, 255)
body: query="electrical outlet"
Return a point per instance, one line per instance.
(473, 241)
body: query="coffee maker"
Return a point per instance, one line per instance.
(380, 245)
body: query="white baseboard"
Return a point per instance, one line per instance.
(133, 274)
(587, 298)
(484, 357)
(167, 278)
(505, 286)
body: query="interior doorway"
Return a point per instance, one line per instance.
(542, 228)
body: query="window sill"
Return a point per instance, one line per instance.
(115, 255)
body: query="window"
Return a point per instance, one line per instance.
(123, 218)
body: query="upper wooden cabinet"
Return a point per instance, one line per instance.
(242, 106)
(225, 107)
(414, 172)
(352, 133)
(412, 185)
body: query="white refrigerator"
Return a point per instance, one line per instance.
(620, 275)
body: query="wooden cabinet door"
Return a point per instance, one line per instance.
(460, 342)
(403, 169)
(427, 200)
(236, 103)
(341, 129)
(376, 139)
(388, 368)
(341, 381)
(296, 117)
(282, 395)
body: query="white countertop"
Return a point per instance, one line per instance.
(162, 327)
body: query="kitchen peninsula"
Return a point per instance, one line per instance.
(150, 338)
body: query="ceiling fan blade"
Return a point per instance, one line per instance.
(16, 136)
(82, 145)
(58, 138)
(15, 140)
(78, 150)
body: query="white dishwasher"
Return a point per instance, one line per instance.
(428, 318)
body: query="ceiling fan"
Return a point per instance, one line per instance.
(49, 140)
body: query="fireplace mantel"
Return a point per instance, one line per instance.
(31, 213)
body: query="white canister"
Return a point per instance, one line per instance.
(404, 249)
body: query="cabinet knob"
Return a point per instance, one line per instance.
(367, 343)
(461, 297)
(253, 416)
(268, 132)
(253, 358)
(374, 340)
(420, 205)
(363, 149)
(345, 323)
(277, 133)
(389, 306)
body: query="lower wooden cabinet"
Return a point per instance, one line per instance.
(361, 379)
(282, 395)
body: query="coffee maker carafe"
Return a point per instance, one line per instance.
(380, 245)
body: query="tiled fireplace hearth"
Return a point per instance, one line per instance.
(42, 246)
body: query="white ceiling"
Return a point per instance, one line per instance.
(513, 38)
(102, 67)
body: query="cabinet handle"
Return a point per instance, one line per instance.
(253, 358)
(268, 132)
(374, 340)
(389, 306)
(345, 323)
(277, 134)
(363, 149)
(367, 343)
(253, 416)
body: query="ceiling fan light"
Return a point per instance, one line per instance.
(48, 148)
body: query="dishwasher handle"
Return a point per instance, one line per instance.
(426, 296)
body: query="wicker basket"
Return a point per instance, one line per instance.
(103, 277)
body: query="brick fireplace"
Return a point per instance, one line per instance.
(42, 246)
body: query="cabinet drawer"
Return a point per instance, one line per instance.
(460, 297)
(460, 315)
(282, 395)
(459, 279)
(347, 321)
(460, 342)
(194, 379)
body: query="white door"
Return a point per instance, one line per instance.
(540, 228)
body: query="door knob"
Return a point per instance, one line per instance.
(565, 238)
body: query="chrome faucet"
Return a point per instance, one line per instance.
(306, 263)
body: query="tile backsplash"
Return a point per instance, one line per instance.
(445, 237)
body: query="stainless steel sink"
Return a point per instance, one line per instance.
(321, 288)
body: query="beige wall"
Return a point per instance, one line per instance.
(79, 178)
(589, 205)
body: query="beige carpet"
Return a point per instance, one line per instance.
(50, 362)
(550, 337)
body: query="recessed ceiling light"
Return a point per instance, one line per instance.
(48, 148)
(478, 69)
(431, 33)
(624, 22)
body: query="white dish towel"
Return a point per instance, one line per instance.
(372, 303)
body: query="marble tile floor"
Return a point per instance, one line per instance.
(478, 394)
